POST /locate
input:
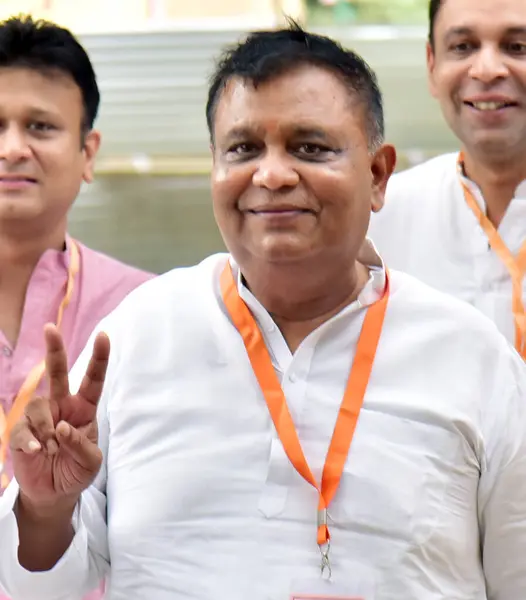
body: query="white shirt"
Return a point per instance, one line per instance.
(202, 502)
(427, 230)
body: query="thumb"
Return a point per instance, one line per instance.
(77, 444)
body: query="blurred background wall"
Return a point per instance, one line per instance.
(150, 203)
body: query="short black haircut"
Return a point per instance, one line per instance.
(434, 7)
(264, 55)
(47, 48)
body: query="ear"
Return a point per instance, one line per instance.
(430, 61)
(90, 149)
(382, 166)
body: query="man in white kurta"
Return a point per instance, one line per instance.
(458, 221)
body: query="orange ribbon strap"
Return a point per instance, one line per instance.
(275, 398)
(516, 265)
(34, 377)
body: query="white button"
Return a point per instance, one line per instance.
(293, 377)
(487, 286)
(7, 351)
(271, 328)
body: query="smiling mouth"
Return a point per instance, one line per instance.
(487, 106)
(286, 211)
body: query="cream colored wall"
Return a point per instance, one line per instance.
(81, 15)
(176, 9)
(86, 16)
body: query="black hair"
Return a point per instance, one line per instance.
(44, 46)
(264, 55)
(434, 7)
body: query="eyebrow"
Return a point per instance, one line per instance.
(310, 132)
(516, 30)
(41, 113)
(239, 133)
(457, 31)
(38, 114)
(297, 131)
(460, 31)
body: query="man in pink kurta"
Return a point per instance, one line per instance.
(49, 100)
(100, 285)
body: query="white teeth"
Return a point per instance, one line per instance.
(489, 105)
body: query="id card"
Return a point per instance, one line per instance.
(362, 588)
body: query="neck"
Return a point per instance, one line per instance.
(299, 300)
(497, 180)
(19, 256)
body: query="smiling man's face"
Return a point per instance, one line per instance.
(477, 71)
(294, 177)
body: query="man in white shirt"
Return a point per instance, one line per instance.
(218, 465)
(458, 221)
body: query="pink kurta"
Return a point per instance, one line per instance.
(100, 285)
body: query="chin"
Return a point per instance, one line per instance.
(282, 253)
(18, 212)
(495, 144)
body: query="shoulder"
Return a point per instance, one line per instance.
(170, 317)
(448, 323)
(422, 178)
(425, 186)
(448, 347)
(181, 291)
(107, 268)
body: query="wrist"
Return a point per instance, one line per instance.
(57, 510)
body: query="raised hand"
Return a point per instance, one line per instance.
(54, 446)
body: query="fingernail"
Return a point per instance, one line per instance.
(33, 446)
(63, 429)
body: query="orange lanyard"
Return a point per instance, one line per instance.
(32, 381)
(277, 405)
(516, 265)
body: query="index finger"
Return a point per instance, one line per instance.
(56, 363)
(93, 381)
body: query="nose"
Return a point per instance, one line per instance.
(275, 171)
(13, 144)
(488, 65)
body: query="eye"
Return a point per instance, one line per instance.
(461, 47)
(242, 149)
(313, 151)
(516, 47)
(40, 126)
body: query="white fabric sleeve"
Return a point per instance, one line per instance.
(502, 488)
